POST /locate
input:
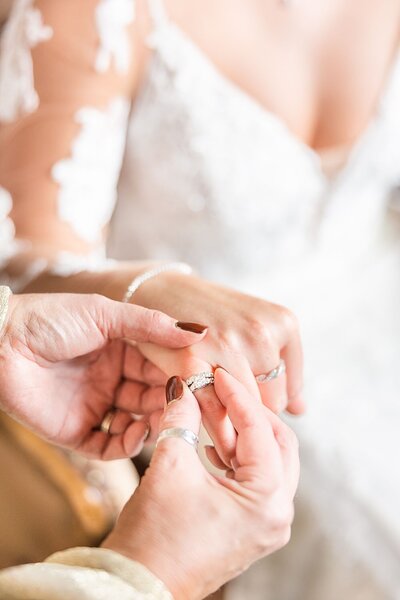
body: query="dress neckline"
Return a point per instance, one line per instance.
(166, 25)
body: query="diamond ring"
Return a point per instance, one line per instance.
(199, 381)
(265, 377)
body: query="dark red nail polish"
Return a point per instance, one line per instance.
(192, 327)
(174, 389)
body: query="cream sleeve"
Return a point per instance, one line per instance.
(67, 76)
(82, 574)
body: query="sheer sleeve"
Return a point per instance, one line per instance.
(67, 76)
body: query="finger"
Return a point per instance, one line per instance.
(292, 354)
(289, 447)
(120, 422)
(111, 447)
(182, 411)
(154, 421)
(118, 320)
(217, 423)
(274, 394)
(213, 457)
(139, 398)
(214, 414)
(257, 451)
(138, 368)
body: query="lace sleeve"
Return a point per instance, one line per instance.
(67, 72)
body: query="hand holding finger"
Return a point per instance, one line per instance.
(120, 320)
(182, 413)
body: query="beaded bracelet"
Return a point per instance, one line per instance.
(141, 279)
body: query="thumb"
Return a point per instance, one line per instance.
(140, 324)
(182, 412)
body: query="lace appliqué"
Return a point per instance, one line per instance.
(8, 245)
(88, 179)
(112, 19)
(24, 30)
(67, 264)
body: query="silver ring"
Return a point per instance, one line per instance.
(179, 432)
(265, 377)
(106, 423)
(200, 380)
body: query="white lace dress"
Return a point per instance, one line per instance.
(210, 177)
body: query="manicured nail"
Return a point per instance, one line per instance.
(192, 327)
(174, 389)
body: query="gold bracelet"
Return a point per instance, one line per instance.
(5, 294)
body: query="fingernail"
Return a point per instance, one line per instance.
(192, 327)
(174, 389)
(234, 464)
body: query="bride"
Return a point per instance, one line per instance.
(258, 142)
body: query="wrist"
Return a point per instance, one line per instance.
(154, 273)
(161, 563)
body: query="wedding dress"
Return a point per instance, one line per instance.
(196, 170)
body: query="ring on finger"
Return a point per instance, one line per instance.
(273, 374)
(179, 432)
(106, 423)
(200, 381)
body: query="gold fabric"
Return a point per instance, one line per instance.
(44, 501)
(82, 574)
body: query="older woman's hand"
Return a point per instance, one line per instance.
(64, 363)
(196, 531)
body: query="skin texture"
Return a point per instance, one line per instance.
(178, 530)
(65, 362)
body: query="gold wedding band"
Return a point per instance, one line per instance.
(106, 423)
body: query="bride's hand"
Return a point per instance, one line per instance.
(247, 336)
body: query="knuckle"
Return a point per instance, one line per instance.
(260, 331)
(168, 459)
(289, 320)
(285, 537)
(228, 339)
(281, 517)
(153, 323)
(286, 438)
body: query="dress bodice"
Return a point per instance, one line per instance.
(213, 177)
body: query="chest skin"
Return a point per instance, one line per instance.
(321, 66)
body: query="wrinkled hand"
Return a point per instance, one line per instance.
(196, 531)
(64, 363)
